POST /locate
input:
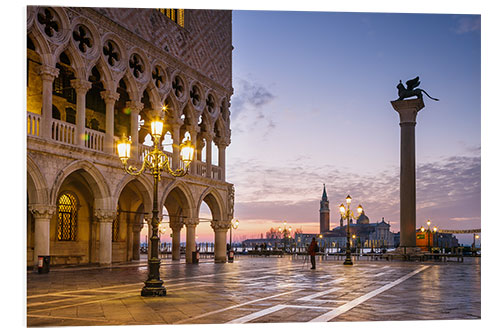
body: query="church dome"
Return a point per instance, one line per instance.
(363, 219)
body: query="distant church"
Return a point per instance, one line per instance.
(367, 234)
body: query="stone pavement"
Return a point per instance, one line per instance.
(256, 290)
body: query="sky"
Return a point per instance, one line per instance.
(311, 105)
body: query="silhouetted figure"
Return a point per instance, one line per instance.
(313, 248)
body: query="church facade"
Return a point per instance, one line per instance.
(97, 74)
(365, 234)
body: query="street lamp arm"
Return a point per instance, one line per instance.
(131, 170)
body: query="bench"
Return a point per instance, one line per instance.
(66, 257)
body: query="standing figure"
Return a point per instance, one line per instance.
(313, 248)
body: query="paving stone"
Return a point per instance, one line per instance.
(218, 293)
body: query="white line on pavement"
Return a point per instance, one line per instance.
(236, 306)
(319, 294)
(349, 305)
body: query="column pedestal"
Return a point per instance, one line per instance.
(408, 110)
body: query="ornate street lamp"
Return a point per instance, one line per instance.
(234, 225)
(156, 161)
(347, 214)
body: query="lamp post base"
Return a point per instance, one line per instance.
(348, 261)
(153, 288)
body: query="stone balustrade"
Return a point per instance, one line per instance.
(33, 124)
(94, 140)
(63, 132)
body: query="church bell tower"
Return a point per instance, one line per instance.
(324, 213)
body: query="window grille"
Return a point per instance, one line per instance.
(66, 217)
(116, 227)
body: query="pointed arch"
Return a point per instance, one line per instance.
(94, 178)
(143, 185)
(36, 183)
(183, 193)
(214, 201)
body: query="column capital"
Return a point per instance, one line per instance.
(175, 226)
(137, 227)
(42, 211)
(104, 215)
(48, 72)
(408, 109)
(221, 142)
(109, 96)
(134, 106)
(81, 86)
(220, 225)
(209, 136)
(191, 221)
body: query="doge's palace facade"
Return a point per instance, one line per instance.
(97, 74)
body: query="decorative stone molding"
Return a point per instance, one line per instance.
(40, 211)
(230, 201)
(105, 216)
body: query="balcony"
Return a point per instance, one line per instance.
(65, 133)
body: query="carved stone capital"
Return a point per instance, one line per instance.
(191, 222)
(134, 106)
(105, 216)
(48, 73)
(209, 136)
(137, 227)
(110, 96)
(408, 109)
(176, 226)
(220, 225)
(81, 86)
(42, 211)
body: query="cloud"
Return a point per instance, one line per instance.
(248, 106)
(468, 24)
(448, 191)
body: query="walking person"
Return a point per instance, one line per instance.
(313, 248)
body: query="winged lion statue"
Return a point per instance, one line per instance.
(410, 90)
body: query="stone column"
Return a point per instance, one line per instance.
(81, 87)
(136, 243)
(42, 214)
(407, 110)
(222, 160)
(135, 108)
(209, 139)
(105, 219)
(190, 238)
(176, 227)
(48, 75)
(175, 145)
(220, 229)
(110, 98)
(193, 167)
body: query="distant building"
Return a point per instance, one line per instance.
(366, 234)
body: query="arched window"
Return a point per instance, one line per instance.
(66, 217)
